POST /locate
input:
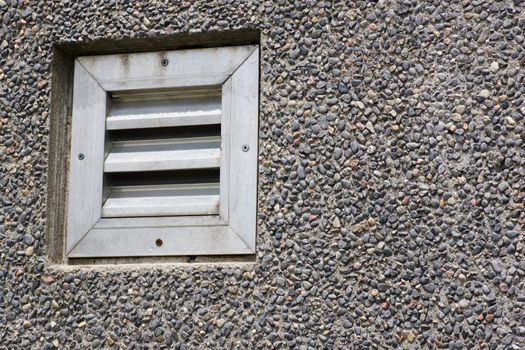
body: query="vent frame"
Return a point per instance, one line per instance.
(233, 231)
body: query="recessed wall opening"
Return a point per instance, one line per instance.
(128, 183)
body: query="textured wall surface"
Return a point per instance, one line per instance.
(391, 188)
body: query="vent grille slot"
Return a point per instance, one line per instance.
(162, 154)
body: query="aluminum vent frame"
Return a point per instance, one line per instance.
(235, 70)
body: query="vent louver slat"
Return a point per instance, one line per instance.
(187, 153)
(151, 133)
(160, 200)
(132, 114)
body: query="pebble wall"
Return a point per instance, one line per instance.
(391, 189)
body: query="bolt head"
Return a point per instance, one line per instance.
(81, 156)
(245, 148)
(164, 62)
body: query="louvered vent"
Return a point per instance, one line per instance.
(162, 154)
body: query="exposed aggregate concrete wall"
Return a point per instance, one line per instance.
(391, 189)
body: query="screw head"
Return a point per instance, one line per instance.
(158, 242)
(164, 62)
(81, 156)
(245, 148)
